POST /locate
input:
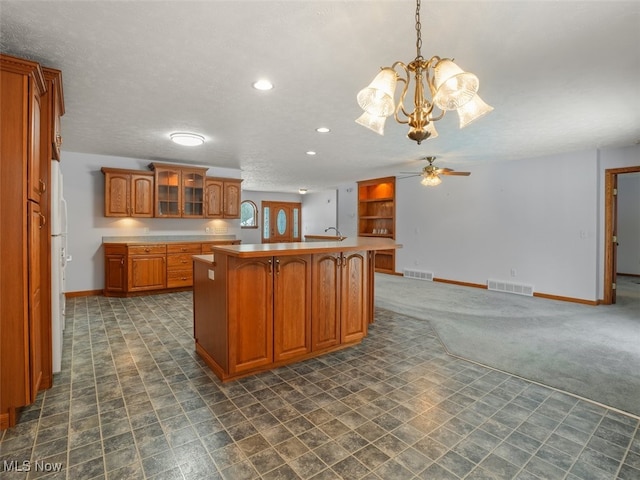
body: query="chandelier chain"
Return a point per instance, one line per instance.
(418, 32)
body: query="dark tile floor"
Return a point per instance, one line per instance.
(134, 402)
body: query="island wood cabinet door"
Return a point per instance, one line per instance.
(250, 313)
(292, 306)
(339, 298)
(147, 267)
(326, 300)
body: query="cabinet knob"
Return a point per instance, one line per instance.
(147, 250)
(183, 249)
(185, 261)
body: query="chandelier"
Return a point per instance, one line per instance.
(450, 87)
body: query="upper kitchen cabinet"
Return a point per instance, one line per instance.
(222, 197)
(377, 216)
(179, 191)
(128, 193)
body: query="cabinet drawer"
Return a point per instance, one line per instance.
(193, 248)
(147, 249)
(179, 261)
(114, 249)
(179, 278)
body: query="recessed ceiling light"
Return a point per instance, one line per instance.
(187, 139)
(263, 85)
(311, 152)
(302, 191)
(323, 130)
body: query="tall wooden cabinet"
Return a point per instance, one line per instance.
(30, 102)
(377, 217)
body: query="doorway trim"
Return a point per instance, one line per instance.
(610, 202)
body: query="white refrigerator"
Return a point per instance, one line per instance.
(58, 263)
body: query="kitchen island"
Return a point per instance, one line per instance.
(258, 307)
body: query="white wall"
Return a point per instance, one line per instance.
(527, 221)
(319, 211)
(348, 209)
(84, 192)
(629, 224)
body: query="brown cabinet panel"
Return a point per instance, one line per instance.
(250, 313)
(127, 193)
(115, 273)
(232, 199)
(190, 248)
(141, 196)
(147, 249)
(214, 198)
(147, 272)
(36, 222)
(354, 300)
(326, 300)
(292, 306)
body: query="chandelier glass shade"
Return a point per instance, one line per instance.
(450, 88)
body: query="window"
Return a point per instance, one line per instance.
(248, 214)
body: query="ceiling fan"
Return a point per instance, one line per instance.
(431, 174)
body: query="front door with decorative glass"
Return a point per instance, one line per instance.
(281, 222)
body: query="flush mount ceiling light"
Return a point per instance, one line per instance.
(263, 85)
(302, 191)
(311, 152)
(187, 139)
(451, 88)
(323, 130)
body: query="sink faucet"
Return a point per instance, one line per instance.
(333, 228)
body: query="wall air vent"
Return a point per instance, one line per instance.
(508, 287)
(418, 274)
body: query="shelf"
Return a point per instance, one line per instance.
(377, 213)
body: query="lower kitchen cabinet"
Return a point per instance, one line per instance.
(136, 269)
(147, 269)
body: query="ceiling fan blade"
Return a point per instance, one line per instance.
(411, 174)
(460, 174)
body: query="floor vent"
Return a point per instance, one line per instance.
(517, 288)
(418, 274)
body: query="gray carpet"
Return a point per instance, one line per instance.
(590, 351)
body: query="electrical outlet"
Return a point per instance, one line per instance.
(513, 272)
(212, 275)
(207, 230)
(146, 229)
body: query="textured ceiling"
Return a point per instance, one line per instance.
(561, 75)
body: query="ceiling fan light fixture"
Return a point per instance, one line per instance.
(187, 139)
(472, 110)
(450, 87)
(431, 180)
(373, 122)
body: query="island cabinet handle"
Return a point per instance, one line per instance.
(270, 266)
(277, 266)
